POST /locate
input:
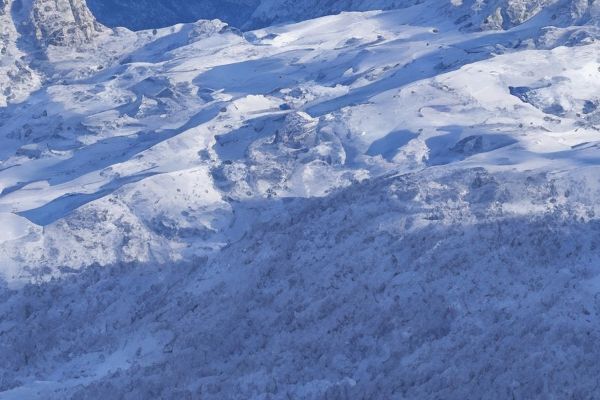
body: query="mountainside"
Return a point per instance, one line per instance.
(62, 22)
(373, 204)
(467, 14)
(147, 14)
(251, 14)
(29, 30)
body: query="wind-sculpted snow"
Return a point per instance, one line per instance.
(375, 204)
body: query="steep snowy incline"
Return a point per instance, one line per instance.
(17, 79)
(30, 30)
(439, 284)
(140, 148)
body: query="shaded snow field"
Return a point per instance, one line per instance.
(366, 205)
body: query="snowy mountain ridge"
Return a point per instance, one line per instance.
(468, 14)
(252, 14)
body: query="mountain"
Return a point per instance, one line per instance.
(251, 14)
(52, 22)
(505, 14)
(29, 30)
(468, 14)
(147, 14)
(397, 203)
(62, 22)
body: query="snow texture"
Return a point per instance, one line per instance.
(396, 201)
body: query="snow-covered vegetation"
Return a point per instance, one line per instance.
(372, 204)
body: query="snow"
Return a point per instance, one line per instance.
(13, 227)
(384, 203)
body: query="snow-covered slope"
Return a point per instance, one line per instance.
(439, 284)
(469, 14)
(137, 148)
(17, 79)
(504, 14)
(29, 29)
(375, 204)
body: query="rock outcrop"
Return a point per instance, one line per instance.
(63, 22)
(506, 14)
(28, 29)
(468, 14)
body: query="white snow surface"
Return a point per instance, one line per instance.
(373, 204)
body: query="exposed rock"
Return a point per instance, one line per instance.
(506, 14)
(63, 22)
